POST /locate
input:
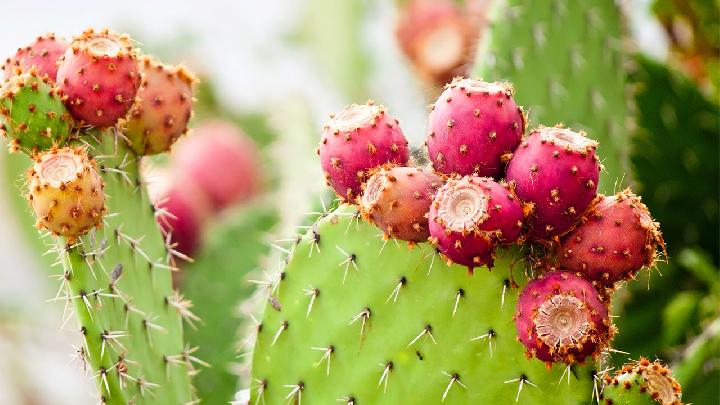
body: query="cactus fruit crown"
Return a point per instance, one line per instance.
(641, 382)
(463, 206)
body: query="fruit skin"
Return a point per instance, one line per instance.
(641, 382)
(397, 200)
(186, 214)
(549, 292)
(615, 238)
(66, 192)
(32, 114)
(163, 109)
(559, 179)
(491, 215)
(437, 38)
(43, 53)
(99, 77)
(223, 162)
(357, 140)
(473, 128)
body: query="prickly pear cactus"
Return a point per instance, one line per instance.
(362, 320)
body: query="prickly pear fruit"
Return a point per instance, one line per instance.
(43, 53)
(32, 114)
(470, 216)
(221, 160)
(641, 382)
(163, 109)
(98, 77)
(183, 212)
(561, 317)
(356, 140)
(557, 170)
(397, 200)
(437, 38)
(474, 127)
(615, 238)
(66, 192)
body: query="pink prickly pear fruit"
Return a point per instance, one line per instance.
(66, 192)
(397, 200)
(99, 77)
(182, 212)
(357, 140)
(163, 109)
(474, 127)
(561, 317)
(223, 161)
(43, 53)
(556, 170)
(437, 38)
(470, 216)
(615, 238)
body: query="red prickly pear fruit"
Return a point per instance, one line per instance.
(66, 192)
(98, 77)
(561, 317)
(474, 127)
(163, 109)
(357, 140)
(437, 38)
(397, 200)
(470, 216)
(556, 170)
(615, 238)
(43, 53)
(223, 161)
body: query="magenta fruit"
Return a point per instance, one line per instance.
(163, 109)
(470, 216)
(556, 170)
(616, 238)
(66, 192)
(183, 212)
(474, 127)
(43, 53)
(397, 200)
(560, 317)
(221, 160)
(98, 77)
(356, 140)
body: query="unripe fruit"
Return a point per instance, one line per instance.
(66, 192)
(616, 238)
(560, 317)
(470, 216)
(98, 77)
(643, 382)
(357, 140)
(163, 109)
(557, 170)
(397, 200)
(474, 127)
(43, 53)
(223, 162)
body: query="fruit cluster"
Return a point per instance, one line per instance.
(493, 185)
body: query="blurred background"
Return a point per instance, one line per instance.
(270, 72)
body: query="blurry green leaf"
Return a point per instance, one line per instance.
(679, 317)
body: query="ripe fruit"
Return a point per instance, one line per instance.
(43, 53)
(66, 192)
(470, 216)
(616, 238)
(356, 140)
(163, 109)
(474, 126)
(223, 162)
(557, 170)
(98, 77)
(397, 200)
(561, 318)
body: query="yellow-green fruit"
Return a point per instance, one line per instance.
(66, 192)
(163, 109)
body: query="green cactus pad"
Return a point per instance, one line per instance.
(402, 327)
(32, 114)
(641, 382)
(564, 58)
(118, 280)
